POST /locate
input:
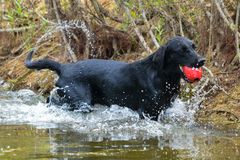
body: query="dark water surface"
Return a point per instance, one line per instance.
(31, 130)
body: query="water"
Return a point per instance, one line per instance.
(31, 130)
(68, 27)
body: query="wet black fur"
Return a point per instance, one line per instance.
(147, 86)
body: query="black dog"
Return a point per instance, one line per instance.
(147, 86)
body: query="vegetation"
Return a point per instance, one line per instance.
(68, 30)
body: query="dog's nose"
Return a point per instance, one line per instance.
(201, 62)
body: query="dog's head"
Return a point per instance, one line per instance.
(177, 53)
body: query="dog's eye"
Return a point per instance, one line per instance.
(184, 48)
(193, 46)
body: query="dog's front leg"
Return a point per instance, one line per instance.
(81, 107)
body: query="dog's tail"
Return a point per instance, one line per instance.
(42, 64)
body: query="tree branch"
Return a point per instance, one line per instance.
(180, 23)
(237, 57)
(224, 17)
(210, 27)
(70, 52)
(225, 11)
(136, 29)
(148, 25)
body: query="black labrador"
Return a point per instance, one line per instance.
(147, 86)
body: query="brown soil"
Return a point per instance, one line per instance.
(223, 109)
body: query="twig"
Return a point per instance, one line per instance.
(71, 53)
(44, 19)
(98, 10)
(180, 21)
(203, 86)
(211, 27)
(200, 88)
(218, 86)
(136, 29)
(209, 71)
(148, 25)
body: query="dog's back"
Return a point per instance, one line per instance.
(85, 67)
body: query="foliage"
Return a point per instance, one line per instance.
(17, 14)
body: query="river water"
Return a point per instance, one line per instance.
(29, 129)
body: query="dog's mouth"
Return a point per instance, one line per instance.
(191, 74)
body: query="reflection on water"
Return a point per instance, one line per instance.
(27, 142)
(30, 130)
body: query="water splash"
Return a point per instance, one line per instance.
(114, 123)
(26, 100)
(67, 27)
(180, 113)
(25, 107)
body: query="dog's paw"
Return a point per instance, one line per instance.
(82, 107)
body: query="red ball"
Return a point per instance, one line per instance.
(192, 74)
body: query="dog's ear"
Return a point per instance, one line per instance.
(159, 57)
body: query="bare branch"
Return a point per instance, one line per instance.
(180, 24)
(209, 71)
(221, 12)
(71, 53)
(136, 29)
(148, 25)
(211, 26)
(225, 11)
(224, 17)
(236, 30)
(237, 57)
